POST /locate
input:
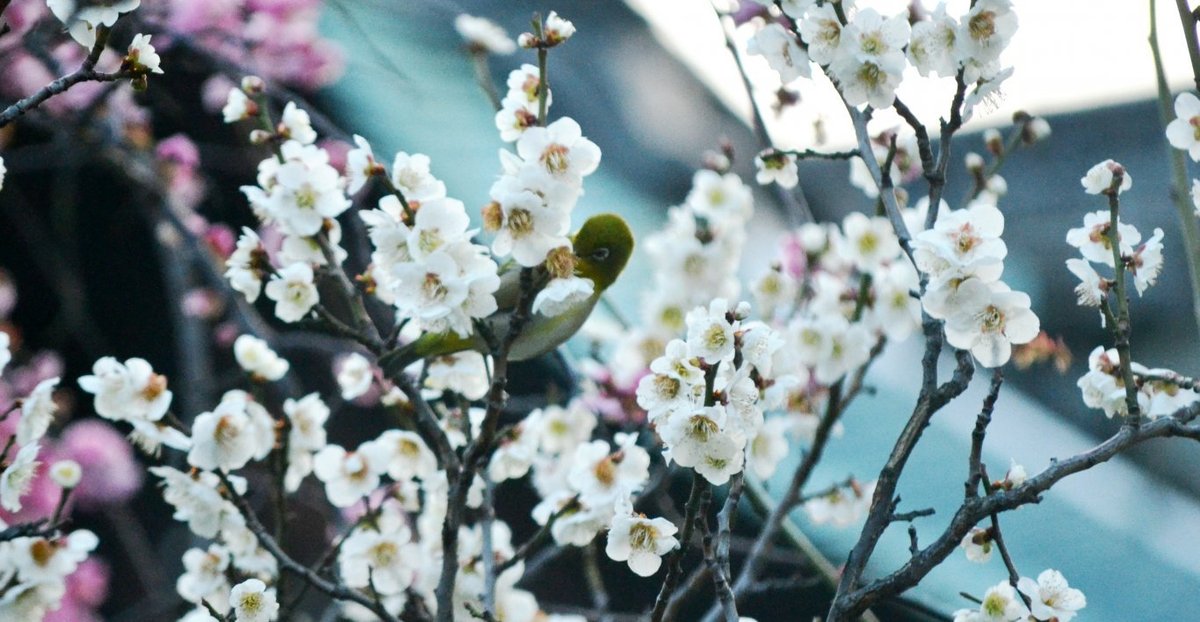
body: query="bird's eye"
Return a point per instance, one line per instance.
(600, 254)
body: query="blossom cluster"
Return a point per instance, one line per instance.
(46, 475)
(866, 53)
(1050, 598)
(1104, 239)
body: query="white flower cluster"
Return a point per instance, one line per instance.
(1182, 134)
(963, 257)
(841, 507)
(866, 53)
(425, 264)
(1093, 240)
(835, 292)
(35, 568)
(696, 255)
(1051, 599)
(702, 395)
(1103, 387)
(301, 195)
(132, 392)
(35, 571)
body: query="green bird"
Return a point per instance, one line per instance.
(602, 248)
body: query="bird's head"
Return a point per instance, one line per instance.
(602, 248)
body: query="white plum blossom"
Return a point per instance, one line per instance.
(233, 433)
(559, 430)
(1103, 386)
(127, 392)
(782, 52)
(1147, 262)
(380, 554)
(253, 602)
(449, 288)
(561, 150)
(709, 332)
(530, 228)
(1184, 131)
(66, 473)
(1051, 597)
(1195, 193)
(870, 241)
(778, 167)
(1099, 179)
(1092, 288)
(82, 22)
(1000, 604)
(602, 476)
(978, 545)
(306, 435)
(17, 477)
(402, 454)
(203, 577)
(196, 499)
(990, 320)
(984, 32)
(841, 507)
(37, 412)
(1093, 242)
(293, 291)
(721, 198)
(465, 373)
(411, 176)
(962, 243)
(142, 55)
(439, 224)
(5, 353)
(484, 35)
(640, 541)
(556, 29)
(256, 357)
(519, 108)
(348, 476)
(821, 29)
(238, 106)
(354, 375)
(299, 192)
(244, 268)
(870, 58)
(297, 125)
(768, 447)
(361, 165)
(933, 44)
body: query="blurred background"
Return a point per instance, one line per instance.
(117, 204)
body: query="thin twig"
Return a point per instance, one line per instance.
(286, 563)
(86, 73)
(1177, 425)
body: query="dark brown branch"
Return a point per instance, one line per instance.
(286, 563)
(975, 460)
(972, 511)
(86, 73)
(675, 566)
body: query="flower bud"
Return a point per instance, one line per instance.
(527, 40)
(993, 141)
(974, 162)
(253, 85)
(66, 473)
(260, 137)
